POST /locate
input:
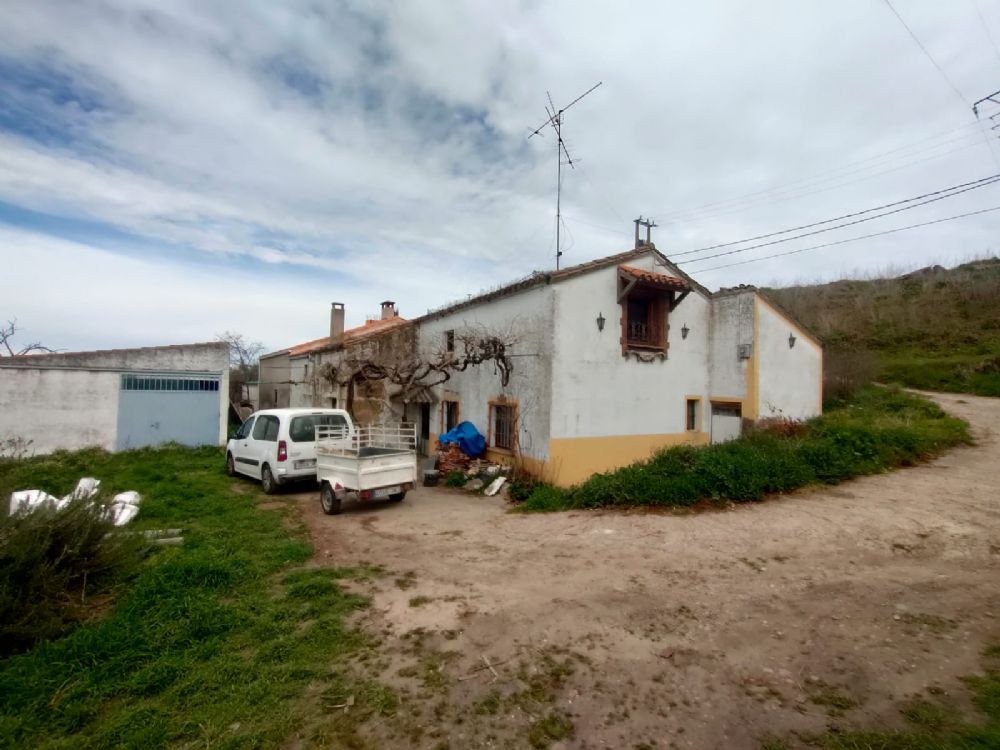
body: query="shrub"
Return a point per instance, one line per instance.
(53, 564)
(847, 371)
(879, 428)
(455, 478)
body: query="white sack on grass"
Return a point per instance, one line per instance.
(86, 488)
(123, 507)
(31, 499)
(128, 498)
(121, 513)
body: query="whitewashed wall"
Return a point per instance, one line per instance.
(790, 377)
(527, 318)
(596, 391)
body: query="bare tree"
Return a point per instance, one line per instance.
(244, 355)
(8, 349)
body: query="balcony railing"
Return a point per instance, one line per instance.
(640, 333)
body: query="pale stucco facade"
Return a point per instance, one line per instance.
(583, 401)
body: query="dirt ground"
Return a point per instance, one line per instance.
(826, 608)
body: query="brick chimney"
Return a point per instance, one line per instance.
(336, 321)
(389, 310)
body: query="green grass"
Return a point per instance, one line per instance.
(226, 642)
(876, 430)
(974, 371)
(935, 725)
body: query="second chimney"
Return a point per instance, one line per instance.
(389, 310)
(336, 321)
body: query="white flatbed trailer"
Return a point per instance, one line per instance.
(373, 462)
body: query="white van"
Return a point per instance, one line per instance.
(278, 446)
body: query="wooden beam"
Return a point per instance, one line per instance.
(628, 288)
(677, 300)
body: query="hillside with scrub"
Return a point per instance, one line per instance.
(935, 328)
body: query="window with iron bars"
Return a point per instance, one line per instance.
(503, 426)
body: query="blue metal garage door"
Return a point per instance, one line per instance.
(155, 409)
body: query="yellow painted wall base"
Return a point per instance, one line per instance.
(572, 460)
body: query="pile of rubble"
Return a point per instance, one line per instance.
(451, 458)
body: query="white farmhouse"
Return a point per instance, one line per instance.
(611, 360)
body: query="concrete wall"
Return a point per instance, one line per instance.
(609, 410)
(59, 408)
(300, 389)
(525, 318)
(790, 378)
(70, 401)
(275, 372)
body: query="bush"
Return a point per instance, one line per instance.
(879, 428)
(455, 478)
(847, 371)
(55, 566)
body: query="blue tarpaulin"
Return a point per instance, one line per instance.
(467, 437)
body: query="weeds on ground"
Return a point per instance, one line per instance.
(455, 478)
(225, 642)
(936, 725)
(876, 430)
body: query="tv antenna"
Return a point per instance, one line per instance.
(555, 120)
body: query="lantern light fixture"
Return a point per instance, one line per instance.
(600, 321)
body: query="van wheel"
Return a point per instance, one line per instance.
(230, 465)
(329, 500)
(398, 497)
(267, 481)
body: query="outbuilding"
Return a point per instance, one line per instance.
(116, 399)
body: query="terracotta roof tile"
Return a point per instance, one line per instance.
(659, 279)
(353, 334)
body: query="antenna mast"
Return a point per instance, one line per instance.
(555, 119)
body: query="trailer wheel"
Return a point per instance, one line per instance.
(398, 497)
(329, 500)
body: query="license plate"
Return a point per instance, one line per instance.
(306, 463)
(385, 491)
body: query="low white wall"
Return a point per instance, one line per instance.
(59, 409)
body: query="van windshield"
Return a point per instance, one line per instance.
(303, 429)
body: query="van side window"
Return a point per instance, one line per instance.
(244, 431)
(266, 428)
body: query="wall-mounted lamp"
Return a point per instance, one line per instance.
(600, 321)
(791, 340)
(685, 331)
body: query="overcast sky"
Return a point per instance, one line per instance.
(170, 170)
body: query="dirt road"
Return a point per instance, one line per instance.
(828, 607)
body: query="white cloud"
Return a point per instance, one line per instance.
(384, 146)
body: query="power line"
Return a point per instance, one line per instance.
(787, 191)
(849, 239)
(929, 57)
(992, 180)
